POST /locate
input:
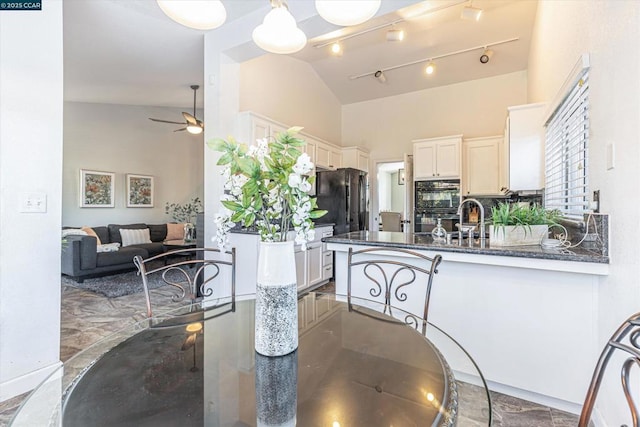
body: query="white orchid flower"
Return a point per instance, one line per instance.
(294, 180)
(303, 164)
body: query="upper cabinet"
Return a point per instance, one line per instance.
(252, 127)
(328, 156)
(437, 158)
(324, 155)
(482, 170)
(524, 147)
(356, 158)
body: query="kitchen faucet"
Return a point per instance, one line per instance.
(482, 239)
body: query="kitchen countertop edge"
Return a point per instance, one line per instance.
(392, 239)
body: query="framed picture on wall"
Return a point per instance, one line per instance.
(139, 191)
(97, 189)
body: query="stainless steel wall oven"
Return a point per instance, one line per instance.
(433, 200)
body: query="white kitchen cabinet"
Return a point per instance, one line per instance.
(437, 158)
(356, 158)
(311, 265)
(251, 127)
(524, 147)
(328, 156)
(327, 255)
(301, 268)
(481, 172)
(314, 263)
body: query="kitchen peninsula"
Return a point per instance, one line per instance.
(527, 315)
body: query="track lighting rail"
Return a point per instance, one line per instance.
(387, 24)
(433, 58)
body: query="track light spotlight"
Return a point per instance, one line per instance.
(336, 49)
(486, 56)
(471, 13)
(395, 35)
(430, 68)
(379, 75)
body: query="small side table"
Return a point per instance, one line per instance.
(171, 245)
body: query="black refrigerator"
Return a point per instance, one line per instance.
(343, 194)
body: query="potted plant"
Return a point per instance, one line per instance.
(519, 225)
(266, 186)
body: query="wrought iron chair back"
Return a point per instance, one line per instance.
(625, 340)
(391, 281)
(187, 276)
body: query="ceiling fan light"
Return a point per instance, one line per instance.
(347, 12)
(471, 13)
(395, 35)
(194, 129)
(279, 33)
(197, 14)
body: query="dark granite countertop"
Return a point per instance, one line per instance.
(252, 230)
(425, 242)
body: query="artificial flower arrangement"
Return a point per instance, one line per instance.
(266, 186)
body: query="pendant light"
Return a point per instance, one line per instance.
(197, 14)
(347, 12)
(279, 33)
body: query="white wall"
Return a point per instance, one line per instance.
(121, 139)
(397, 194)
(386, 126)
(289, 91)
(609, 31)
(31, 109)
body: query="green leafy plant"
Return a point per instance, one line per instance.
(522, 216)
(184, 213)
(266, 185)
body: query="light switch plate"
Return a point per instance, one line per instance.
(33, 203)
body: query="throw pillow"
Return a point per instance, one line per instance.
(175, 231)
(73, 232)
(90, 232)
(108, 247)
(134, 237)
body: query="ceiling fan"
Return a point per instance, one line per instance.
(192, 124)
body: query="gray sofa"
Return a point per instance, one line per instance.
(81, 260)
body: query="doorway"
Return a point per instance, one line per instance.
(389, 199)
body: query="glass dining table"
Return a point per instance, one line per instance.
(196, 366)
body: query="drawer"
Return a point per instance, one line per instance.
(327, 272)
(327, 233)
(327, 258)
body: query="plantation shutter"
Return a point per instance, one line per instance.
(566, 152)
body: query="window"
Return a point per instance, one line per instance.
(567, 149)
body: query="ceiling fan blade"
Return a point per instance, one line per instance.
(167, 121)
(179, 130)
(190, 119)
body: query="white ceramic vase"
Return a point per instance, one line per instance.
(276, 316)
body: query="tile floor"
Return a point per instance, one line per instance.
(100, 316)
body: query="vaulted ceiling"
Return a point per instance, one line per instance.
(129, 52)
